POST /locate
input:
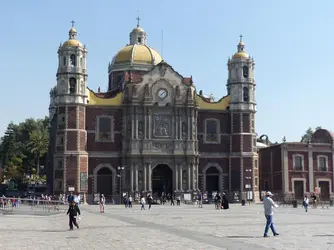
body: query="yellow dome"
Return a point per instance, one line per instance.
(241, 54)
(72, 43)
(138, 29)
(137, 54)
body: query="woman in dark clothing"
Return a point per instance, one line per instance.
(225, 201)
(73, 212)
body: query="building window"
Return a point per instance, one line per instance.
(73, 60)
(81, 62)
(256, 164)
(83, 181)
(64, 60)
(73, 84)
(245, 71)
(246, 94)
(59, 164)
(256, 181)
(58, 185)
(139, 39)
(211, 131)
(322, 163)
(61, 120)
(298, 162)
(104, 128)
(60, 140)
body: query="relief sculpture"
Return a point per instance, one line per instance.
(161, 126)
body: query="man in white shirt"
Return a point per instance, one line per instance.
(268, 204)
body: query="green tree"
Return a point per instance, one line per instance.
(38, 145)
(308, 134)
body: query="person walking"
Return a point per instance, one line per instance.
(72, 212)
(130, 201)
(142, 202)
(305, 203)
(102, 202)
(268, 205)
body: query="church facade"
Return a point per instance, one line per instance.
(151, 131)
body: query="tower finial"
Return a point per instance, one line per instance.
(240, 38)
(73, 22)
(138, 19)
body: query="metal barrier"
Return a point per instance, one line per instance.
(15, 204)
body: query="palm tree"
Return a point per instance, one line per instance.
(38, 145)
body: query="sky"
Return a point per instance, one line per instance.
(289, 40)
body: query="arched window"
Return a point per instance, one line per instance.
(246, 94)
(73, 60)
(211, 131)
(73, 83)
(64, 60)
(245, 71)
(81, 62)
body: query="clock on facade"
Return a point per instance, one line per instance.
(162, 93)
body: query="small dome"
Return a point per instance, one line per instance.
(137, 54)
(72, 40)
(241, 54)
(138, 29)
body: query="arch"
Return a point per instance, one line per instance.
(215, 180)
(100, 167)
(73, 60)
(162, 179)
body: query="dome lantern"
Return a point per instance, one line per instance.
(241, 50)
(72, 38)
(138, 35)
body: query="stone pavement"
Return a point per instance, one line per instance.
(166, 227)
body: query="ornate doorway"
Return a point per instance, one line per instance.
(104, 181)
(162, 179)
(212, 181)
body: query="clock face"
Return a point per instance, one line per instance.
(162, 93)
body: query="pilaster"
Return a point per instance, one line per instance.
(145, 177)
(150, 177)
(180, 175)
(136, 178)
(131, 177)
(310, 168)
(177, 170)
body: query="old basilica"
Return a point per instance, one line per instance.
(152, 131)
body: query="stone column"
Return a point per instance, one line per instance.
(193, 175)
(189, 121)
(189, 176)
(221, 177)
(150, 176)
(145, 177)
(177, 169)
(180, 175)
(149, 123)
(285, 168)
(131, 178)
(137, 188)
(310, 169)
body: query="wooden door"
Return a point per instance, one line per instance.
(324, 190)
(299, 189)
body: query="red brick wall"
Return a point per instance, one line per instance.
(236, 143)
(246, 123)
(235, 173)
(71, 171)
(247, 143)
(72, 117)
(72, 140)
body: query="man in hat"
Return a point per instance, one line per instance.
(268, 204)
(73, 212)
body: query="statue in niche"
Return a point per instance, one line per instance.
(161, 126)
(184, 129)
(140, 176)
(177, 91)
(140, 128)
(147, 92)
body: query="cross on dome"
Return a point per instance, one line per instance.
(138, 20)
(240, 38)
(73, 22)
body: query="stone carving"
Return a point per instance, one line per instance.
(140, 128)
(162, 70)
(140, 176)
(147, 91)
(158, 145)
(184, 129)
(161, 125)
(177, 91)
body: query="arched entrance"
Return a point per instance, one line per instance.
(104, 181)
(212, 181)
(162, 179)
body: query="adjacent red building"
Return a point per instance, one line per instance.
(293, 169)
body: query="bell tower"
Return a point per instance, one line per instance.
(71, 158)
(241, 88)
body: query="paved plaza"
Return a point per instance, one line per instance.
(166, 227)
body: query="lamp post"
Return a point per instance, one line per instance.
(120, 169)
(248, 186)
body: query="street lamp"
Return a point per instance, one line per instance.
(120, 169)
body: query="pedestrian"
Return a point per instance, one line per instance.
(225, 201)
(200, 200)
(102, 202)
(130, 201)
(178, 200)
(149, 201)
(268, 204)
(72, 213)
(142, 202)
(305, 203)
